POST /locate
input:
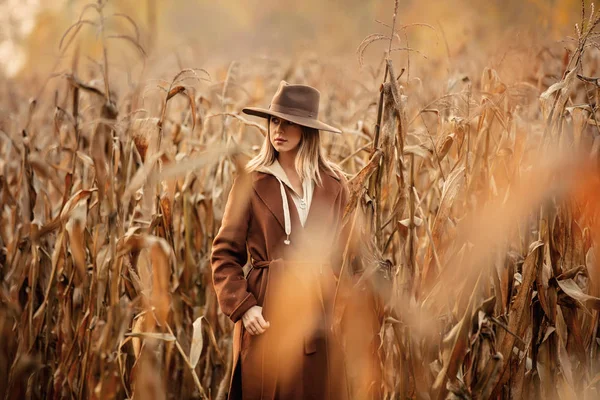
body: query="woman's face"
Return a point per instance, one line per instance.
(284, 135)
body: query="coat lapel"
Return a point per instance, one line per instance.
(267, 188)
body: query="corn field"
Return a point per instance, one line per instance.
(475, 204)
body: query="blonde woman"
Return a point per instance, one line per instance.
(284, 219)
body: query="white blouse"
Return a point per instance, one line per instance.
(303, 202)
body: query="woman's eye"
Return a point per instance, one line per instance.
(275, 120)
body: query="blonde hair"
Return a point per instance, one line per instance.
(309, 160)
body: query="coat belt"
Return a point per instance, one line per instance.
(261, 264)
(267, 263)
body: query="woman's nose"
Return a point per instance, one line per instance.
(279, 125)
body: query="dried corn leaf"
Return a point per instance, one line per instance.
(74, 201)
(455, 348)
(160, 256)
(517, 315)
(451, 188)
(76, 229)
(167, 337)
(570, 288)
(197, 342)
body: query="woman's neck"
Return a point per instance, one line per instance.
(287, 160)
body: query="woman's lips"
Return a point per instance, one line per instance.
(280, 140)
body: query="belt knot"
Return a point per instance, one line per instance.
(261, 264)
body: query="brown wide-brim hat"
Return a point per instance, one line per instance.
(295, 103)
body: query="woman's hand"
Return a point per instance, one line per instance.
(254, 321)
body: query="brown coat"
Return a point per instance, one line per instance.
(297, 357)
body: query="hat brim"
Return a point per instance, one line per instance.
(304, 121)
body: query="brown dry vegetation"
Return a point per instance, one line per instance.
(477, 204)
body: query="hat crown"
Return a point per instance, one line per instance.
(296, 103)
(296, 99)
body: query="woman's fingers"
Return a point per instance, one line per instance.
(257, 328)
(262, 323)
(254, 322)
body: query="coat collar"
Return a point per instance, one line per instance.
(267, 188)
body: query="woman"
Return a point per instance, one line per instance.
(286, 214)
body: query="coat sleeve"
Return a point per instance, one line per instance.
(229, 253)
